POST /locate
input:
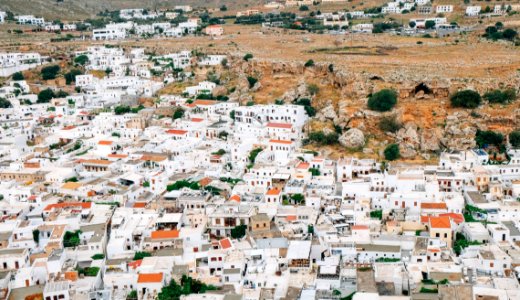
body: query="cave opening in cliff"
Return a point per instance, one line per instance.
(422, 87)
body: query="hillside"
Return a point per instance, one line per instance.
(80, 9)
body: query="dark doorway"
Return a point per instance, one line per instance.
(422, 87)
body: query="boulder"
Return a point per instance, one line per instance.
(352, 138)
(327, 113)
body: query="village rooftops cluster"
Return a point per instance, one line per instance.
(114, 191)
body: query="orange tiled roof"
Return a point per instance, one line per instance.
(176, 131)
(225, 243)
(235, 198)
(165, 234)
(291, 218)
(155, 158)
(205, 181)
(457, 218)
(197, 120)
(279, 125)
(204, 102)
(303, 165)
(359, 227)
(95, 161)
(135, 264)
(105, 143)
(84, 205)
(280, 142)
(433, 205)
(118, 155)
(425, 219)
(273, 192)
(440, 222)
(139, 204)
(149, 278)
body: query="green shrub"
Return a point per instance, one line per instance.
(389, 124)
(514, 139)
(392, 152)
(384, 100)
(376, 214)
(466, 99)
(488, 137)
(18, 76)
(252, 81)
(45, 96)
(141, 254)
(179, 113)
(238, 231)
(50, 72)
(500, 96)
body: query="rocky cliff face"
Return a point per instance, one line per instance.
(432, 129)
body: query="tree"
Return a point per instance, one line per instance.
(466, 99)
(253, 154)
(509, 34)
(298, 198)
(384, 100)
(36, 236)
(50, 72)
(238, 231)
(178, 113)
(70, 77)
(412, 24)
(514, 139)
(223, 8)
(252, 81)
(81, 60)
(188, 285)
(71, 239)
(304, 8)
(98, 256)
(132, 295)
(122, 109)
(4, 103)
(310, 229)
(45, 96)
(376, 214)
(248, 57)
(429, 24)
(18, 76)
(141, 254)
(392, 152)
(484, 138)
(224, 62)
(232, 115)
(309, 63)
(306, 103)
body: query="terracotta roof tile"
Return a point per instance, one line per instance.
(176, 131)
(280, 142)
(440, 222)
(83, 205)
(225, 243)
(273, 192)
(165, 234)
(149, 278)
(279, 125)
(432, 205)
